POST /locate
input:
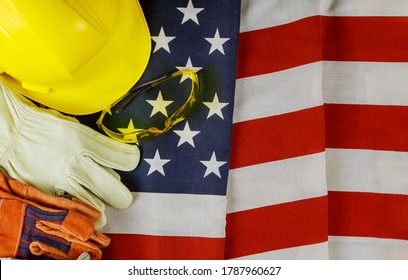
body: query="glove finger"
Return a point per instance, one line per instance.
(77, 249)
(111, 153)
(40, 249)
(100, 239)
(112, 172)
(74, 228)
(84, 196)
(95, 179)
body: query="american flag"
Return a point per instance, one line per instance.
(180, 184)
(319, 151)
(297, 150)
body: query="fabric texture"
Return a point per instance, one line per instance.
(57, 154)
(38, 225)
(317, 168)
(325, 177)
(180, 184)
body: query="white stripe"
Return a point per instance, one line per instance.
(367, 171)
(279, 92)
(364, 7)
(276, 182)
(365, 83)
(259, 14)
(363, 248)
(308, 252)
(170, 215)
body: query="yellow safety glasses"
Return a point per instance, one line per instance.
(122, 109)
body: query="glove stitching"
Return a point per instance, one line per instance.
(125, 149)
(30, 109)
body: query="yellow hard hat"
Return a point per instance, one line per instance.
(76, 56)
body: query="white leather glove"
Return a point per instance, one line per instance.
(57, 154)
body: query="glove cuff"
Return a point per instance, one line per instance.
(12, 216)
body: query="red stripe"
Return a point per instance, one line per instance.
(278, 48)
(149, 247)
(319, 38)
(377, 127)
(278, 137)
(368, 214)
(371, 38)
(275, 227)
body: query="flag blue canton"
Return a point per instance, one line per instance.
(193, 157)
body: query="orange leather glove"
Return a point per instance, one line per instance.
(35, 225)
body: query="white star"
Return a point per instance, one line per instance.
(162, 41)
(156, 163)
(190, 12)
(189, 66)
(186, 135)
(159, 105)
(217, 42)
(215, 107)
(213, 166)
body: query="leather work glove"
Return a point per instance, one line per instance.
(57, 154)
(37, 225)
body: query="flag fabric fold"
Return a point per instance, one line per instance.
(298, 147)
(331, 98)
(180, 184)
